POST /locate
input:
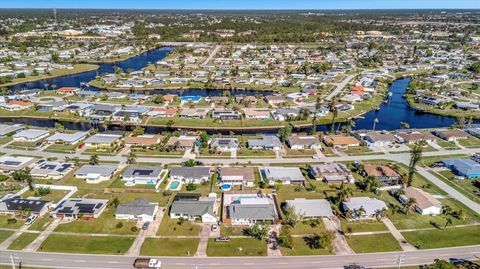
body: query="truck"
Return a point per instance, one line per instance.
(147, 263)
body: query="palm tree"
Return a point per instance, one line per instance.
(415, 157)
(94, 159)
(131, 159)
(318, 105)
(345, 194)
(361, 211)
(448, 222)
(379, 214)
(375, 121)
(409, 205)
(334, 111)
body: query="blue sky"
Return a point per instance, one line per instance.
(244, 4)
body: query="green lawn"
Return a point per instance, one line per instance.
(4, 235)
(363, 226)
(354, 151)
(373, 243)
(41, 224)
(471, 142)
(86, 244)
(61, 148)
(105, 224)
(4, 223)
(173, 227)
(231, 230)
(169, 247)
(438, 238)
(23, 240)
(304, 153)
(446, 145)
(300, 248)
(54, 195)
(466, 187)
(257, 153)
(24, 145)
(237, 247)
(5, 140)
(308, 227)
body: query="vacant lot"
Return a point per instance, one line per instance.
(450, 237)
(4, 235)
(23, 240)
(169, 247)
(300, 248)
(373, 243)
(175, 227)
(86, 244)
(237, 247)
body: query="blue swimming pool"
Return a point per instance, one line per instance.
(226, 187)
(174, 185)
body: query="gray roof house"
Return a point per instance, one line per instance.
(10, 129)
(102, 139)
(250, 210)
(190, 174)
(286, 175)
(192, 208)
(14, 205)
(142, 174)
(370, 207)
(311, 208)
(224, 143)
(267, 142)
(140, 209)
(30, 135)
(75, 208)
(96, 173)
(51, 169)
(67, 138)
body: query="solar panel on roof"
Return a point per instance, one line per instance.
(142, 172)
(64, 167)
(11, 163)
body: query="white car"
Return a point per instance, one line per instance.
(316, 157)
(31, 220)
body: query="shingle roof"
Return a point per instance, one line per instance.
(139, 206)
(193, 208)
(311, 207)
(67, 137)
(104, 170)
(190, 172)
(252, 211)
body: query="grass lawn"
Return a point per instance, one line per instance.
(471, 142)
(23, 240)
(54, 195)
(308, 227)
(24, 145)
(437, 238)
(466, 187)
(257, 153)
(169, 247)
(231, 230)
(150, 153)
(4, 235)
(5, 140)
(61, 148)
(237, 247)
(86, 244)
(373, 243)
(291, 153)
(363, 226)
(446, 145)
(300, 248)
(41, 224)
(105, 224)
(4, 223)
(354, 151)
(172, 227)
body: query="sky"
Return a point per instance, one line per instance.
(244, 4)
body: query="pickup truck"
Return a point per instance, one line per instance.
(147, 263)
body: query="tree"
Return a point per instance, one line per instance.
(317, 241)
(334, 110)
(24, 176)
(191, 187)
(361, 211)
(285, 132)
(291, 217)
(138, 131)
(132, 158)
(318, 106)
(115, 202)
(59, 126)
(190, 163)
(439, 264)
(375, 121)
(159, 99)
(256, 231)
(448, 222)
(285, 239)
(409, 205)
(345, 194)
(415, 157)
(94, 159)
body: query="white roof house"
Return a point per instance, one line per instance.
(11, 163)
(96, 173)
(371, 206)
(30, 135)
(311, 208)
(286, 175)
(67, 138)
(53, 170)
(102, 139)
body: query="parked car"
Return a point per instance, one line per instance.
(31, 220)
(316, 157)
(222, 239)
(214, 227)
(145, 225)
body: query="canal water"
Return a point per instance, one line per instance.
(389, 115)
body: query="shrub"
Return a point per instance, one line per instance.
(191, 187)
(119, 225)
(11, 220)
(134, 229)
(167, 193)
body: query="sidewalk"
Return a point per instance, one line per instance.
(39, 240)
(398, 236)
(340, 244)
(202, 244)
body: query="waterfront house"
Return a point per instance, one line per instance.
(160, 112)
(474, 132)
(310, 208)
(342, 142)
(299, 142)
(225, 114)
(94, 174)
(56, 106)
(193, 206)
(183, 141)
(7, 130)
(102, 140)
(237, 176)
(379, 139)
(413, 137)
(257, 113)
(195, 175)
(363, 207)
(224, 143)
(67, 138)
(30, 135)
(331, 173)
(140, 209)
(81, 109)
(283, 175)
(67, 90)
(149, 175)
(143, 140)
(270, 142)
(451, 135)
(16, 105)
(79, 208)
(194, 113)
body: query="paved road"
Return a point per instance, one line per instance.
(339, 87)
(212, 54)
(388, 259)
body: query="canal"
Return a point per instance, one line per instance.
(389, 115)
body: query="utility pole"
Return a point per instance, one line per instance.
(399, 261)
(12, 261)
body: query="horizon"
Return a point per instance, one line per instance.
(248, 5)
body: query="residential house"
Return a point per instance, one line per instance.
(256, 113)
(224, 143)
(139, 210)
(194, 206)
(303, 142)
(16, 105)
(342, 142)
(194, 113)
(160, 112)
(413, 137)
(134, 175)
(79, 208)
(183, 141)
(225, 114)
(363, 207)
(94, 174)
(143, 140)
(16, 205)
(310, 208)
(30, 135)
(379, 139)
(67, 138)
(102, 140)
(451, 135)
(283, 175)
(11, 163)
(425, 203)
(237, 176)
(7, 130)
(463, 167)
(249, 208)
(195, 175)
(386, 175)
(51, 169)
(271, 142)
(331, 173)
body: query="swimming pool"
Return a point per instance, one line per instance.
(174, 185)
(226, 187)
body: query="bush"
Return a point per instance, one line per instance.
(167, 192)
(119, 225)
(191, 187)
(11, 220)
(134, 229)
(42, 191)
